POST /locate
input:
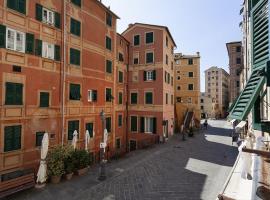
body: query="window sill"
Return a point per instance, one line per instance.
(16, 12)
(19, 53)
(13, 106)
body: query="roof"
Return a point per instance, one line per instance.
(152, 25)
(180, 55)
(122, 37)
(107, 9)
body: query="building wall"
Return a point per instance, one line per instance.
(206, 105)
(190, 99)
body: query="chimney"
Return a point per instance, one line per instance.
(198, 53)
(130, 25)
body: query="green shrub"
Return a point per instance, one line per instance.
(81, 159)
(55, 161)
(69, 160)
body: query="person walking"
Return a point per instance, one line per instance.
(205, 124)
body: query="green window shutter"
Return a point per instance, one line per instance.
(2, 36)
(39, 137)
(109, 19)
(134, 127)
(38, 49)
(30, 43)
(11, 4)
(76, 2)
(75, 27)
(154, 75)
(144, 75)
(149, 98)
(134, 98)
(154, 125)
(89, 127)
(94, 95)
(21, 7)
(75, 57)
(108, 94)
(19, 94)
(120, 78)
(142, 125)
(149, 57)
(120, 98)
(57, 20)
(248, 96)
(12, 138)
(72, 126)
(57, 53)
(14, 94)
(39, 12)
(108, 66)
(75, 92)
(136, 40)
(108, 43)
(44, 99)
(120, 120)
(149, 38)
(109, 124)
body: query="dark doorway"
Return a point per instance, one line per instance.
(132, 145)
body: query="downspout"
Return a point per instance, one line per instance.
(63, 72)
(127, 102)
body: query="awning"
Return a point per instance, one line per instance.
(248, 96)
(240, 126)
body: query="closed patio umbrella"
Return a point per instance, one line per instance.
(42, 171)
(75, 139)
(87, 140)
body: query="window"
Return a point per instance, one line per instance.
(149, 125)
(149, 57)
(190, 74)
(44, 99)
(178, 77)
(108, 19)
(238, 49)
(177, 62)
(108, 43)
(167, 41)
(73, 126)
(135, 61)
(120, 57)
(171, 81)
(75, 27)
(47, 16)
(120, 120)
(134, 124)
(189, 100)
(14, 94)
(120, 98)
(149, 75)
(167, 59)
(92, 96)
(179, 99)
(90, 128)
(178, 88)
(109, 96)
(15, 40)
(76, 2)
(148, 98)
(120, 76)
(75, 92)
(237, 84)
(47, 50)
(190, 61)
(75, 57)
(136, 40)
(39, 137)
(18, 5)
(190, 86)
(167, 98)
(12, 138)
(134, 98)
(108, 122)
(149, 38)
(109, 66)
(172, 99)
(238, 61)
(118, 143)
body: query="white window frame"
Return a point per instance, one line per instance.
(13, 42)
(148, 125)
(150, 75)
(49, 19)
(90, 95)
(48, 50)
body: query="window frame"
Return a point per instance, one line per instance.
(137, 129)
(48, 50)
(15, 40)
(153, 59)
(136, 45)
(153, 38)
(118, 120)
(47, 20)
(131, 98)
(148, 122)
(107, 98)
(189, 89)
(145, 97)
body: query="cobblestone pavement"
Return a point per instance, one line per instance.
(192, 169)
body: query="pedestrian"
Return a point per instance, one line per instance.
(205, 124)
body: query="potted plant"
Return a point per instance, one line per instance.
(81, 161)
(69, 162)
(55, 164)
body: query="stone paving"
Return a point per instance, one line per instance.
(192, 169)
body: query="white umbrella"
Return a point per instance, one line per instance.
(105, 136)
(75, 139)
(87, 140)
(42, 171)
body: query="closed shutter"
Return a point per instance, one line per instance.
(57, 53)
(30, 43)
(14, 94)
(120, 98)
(12, 138)
(142, 125)
(134, 98)
(19, 94)
(44, 99)
(119, 120)
(154, 125)
(148, 98)
(133, 123)
(108, 124)
(39, 137)
(108, 43)
(154, 75)
(75, 27)
(89, 127)
(144, 75)
(75, 57)
(94, 95)
(2, 36)
(11, 4)
(39, 12)
(109, 66)
(120, 77)
(72, 126)
(75, 92)
(76, 2)
(57, 20)
(21, 6)
(38, 50)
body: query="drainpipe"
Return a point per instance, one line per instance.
(127, 89)
(63, 71)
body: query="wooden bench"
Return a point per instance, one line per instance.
(8, 187)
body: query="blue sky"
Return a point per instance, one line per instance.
(196, 25)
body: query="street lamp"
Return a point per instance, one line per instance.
(102, 175)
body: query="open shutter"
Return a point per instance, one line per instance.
(39, 12)
(30, 41)
(154, 75)
(247, 98)
(2, 36)
(89, 127)
(57, 20)
(17, 137)
(19, 94)
(94, 95)
(21, 6)
(154, 125)
(38, 49)
(142, 124)
(57, 53)
(144, 75)
(8, 139)
(9, 99)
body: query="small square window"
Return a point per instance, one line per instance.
(190, 87)
(190, 74)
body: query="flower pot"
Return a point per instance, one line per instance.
(69, 176)
(55, 179)
(82, 171)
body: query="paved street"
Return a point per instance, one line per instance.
(193, 169)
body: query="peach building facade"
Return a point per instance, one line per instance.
(150, 84)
